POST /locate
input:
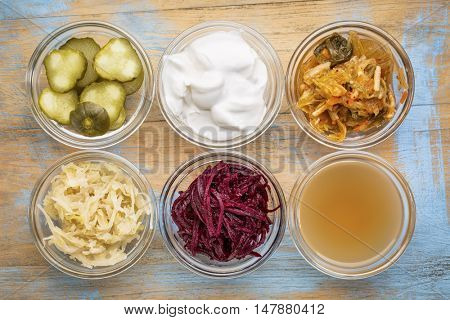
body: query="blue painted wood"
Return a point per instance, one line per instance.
(420, 149)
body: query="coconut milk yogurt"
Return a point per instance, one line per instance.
(216, 85)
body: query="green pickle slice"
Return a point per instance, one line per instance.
(120, 120)
(89, 48)
(133, 85)
(57, 106)
(108, 94)
(118, 60)
(64, 67)
(90, 119)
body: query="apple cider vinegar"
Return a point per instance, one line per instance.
(350, 213)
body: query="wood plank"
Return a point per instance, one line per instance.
(420, 149)
(174, 281)
(22, 9)
(425, 42)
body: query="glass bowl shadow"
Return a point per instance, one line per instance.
(273, 95)
(353, 140)
(399, 244)
(40, 230)
(137, 105)
(202, 264)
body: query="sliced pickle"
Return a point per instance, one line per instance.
(89, 48)
(64, 67)
(120, 120)
(118, 60)
(90, 119)
(57, 106)
(107, 94)
(133, 85)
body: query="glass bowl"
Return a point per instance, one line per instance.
(353, 140)
(201, 264)
(135, 250)
(398, 245)
(273, 95)
(137, 105)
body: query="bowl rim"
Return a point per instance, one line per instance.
(115, 138)
(333, 158)
(278, 85)
(105, 156)
(221, 155)
(409, 71)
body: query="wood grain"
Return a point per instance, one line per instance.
(420, 149)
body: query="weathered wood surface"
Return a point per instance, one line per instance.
(420, 149)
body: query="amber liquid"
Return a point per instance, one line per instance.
(350, 213)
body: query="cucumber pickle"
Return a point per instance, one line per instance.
(57, 106)
(88, 84)
(90, 119)
(118, 60)
(64, 67)
(89, 48)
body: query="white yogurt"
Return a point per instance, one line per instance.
(216, 85)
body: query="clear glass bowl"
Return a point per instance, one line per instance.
(398, 246)
(305, 50)
(135, 250)
(201, 264)
(273, 95)
(137, 105)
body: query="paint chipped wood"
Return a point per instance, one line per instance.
(420, 149)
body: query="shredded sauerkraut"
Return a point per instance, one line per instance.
(94, 211)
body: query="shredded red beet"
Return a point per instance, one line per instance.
(223, 213)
